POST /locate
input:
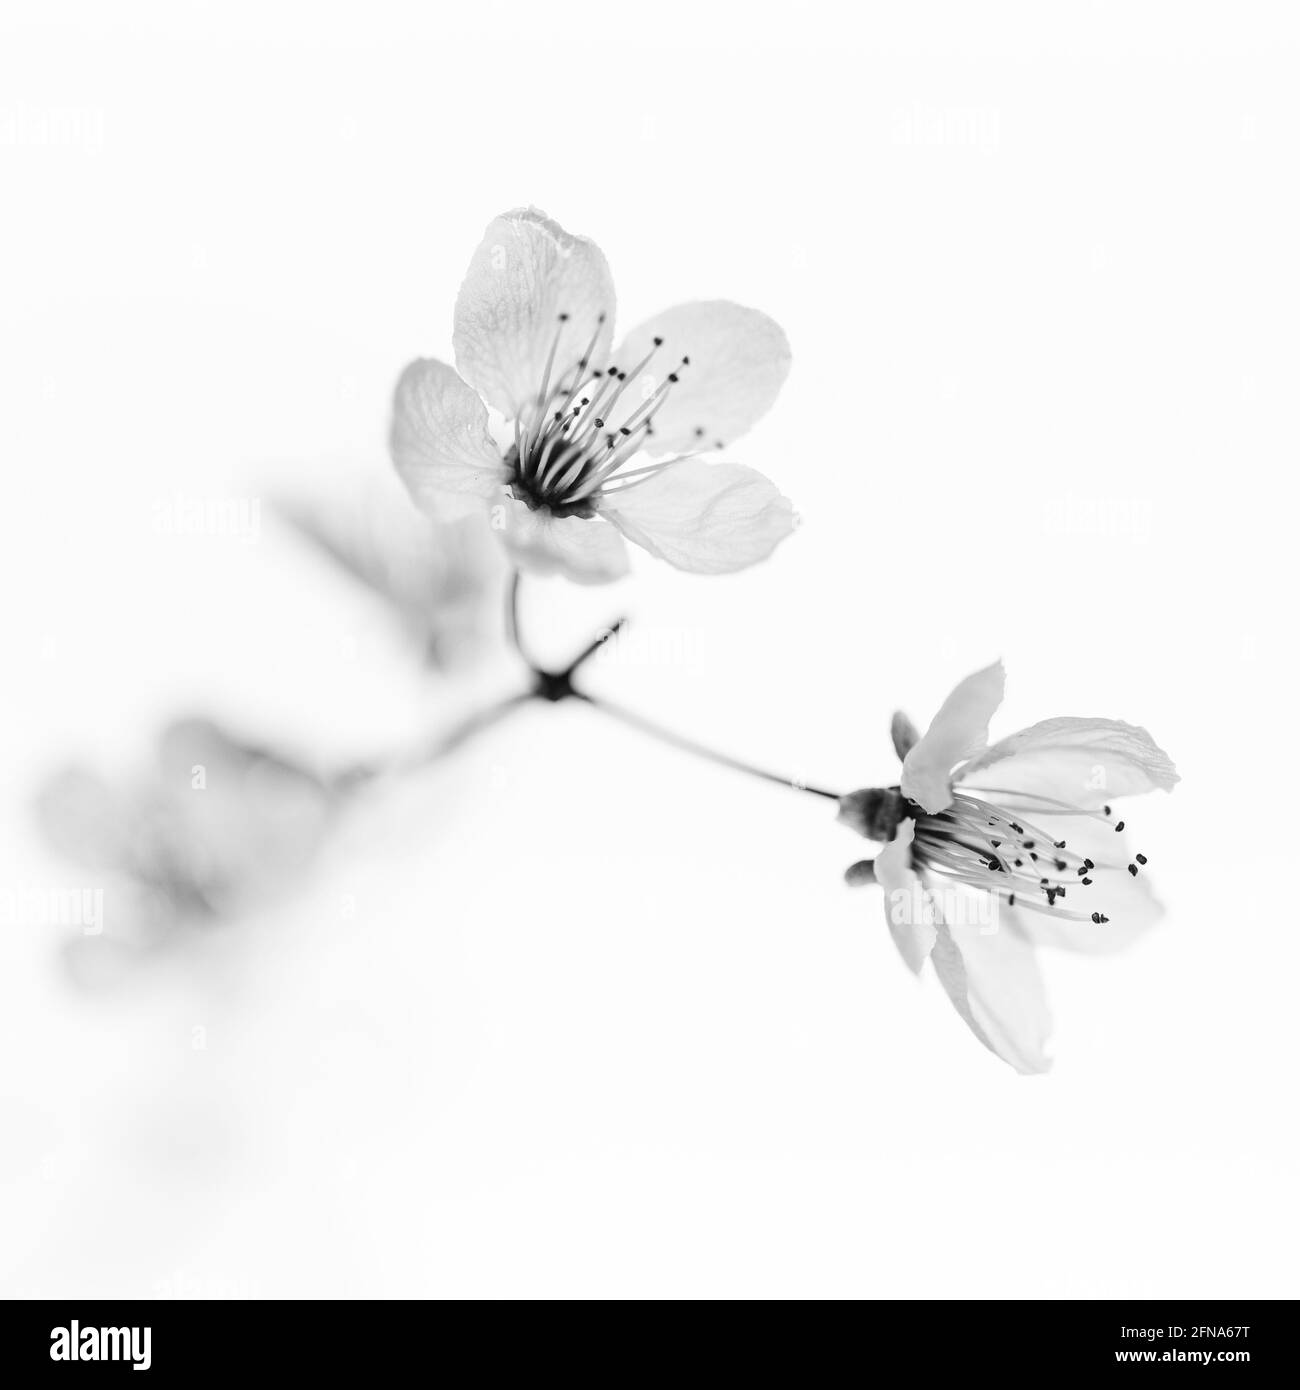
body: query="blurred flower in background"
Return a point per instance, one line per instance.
(214, 827)
(441, 580)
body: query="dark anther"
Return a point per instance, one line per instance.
(1087, 881)
(1141, 858)
(659, 342)
(672, 376)
(1133, 869)
(1119, 825)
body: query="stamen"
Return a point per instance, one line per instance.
(980, 845)
(572, 452)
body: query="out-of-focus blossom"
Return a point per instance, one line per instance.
(441, 579)
(993, 850)
(571, 475)
(212, 828)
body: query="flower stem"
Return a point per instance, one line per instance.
(363, 774)
(512, 619)
(699, 750)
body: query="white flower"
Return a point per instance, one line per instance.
(534, 326)
(993, 850)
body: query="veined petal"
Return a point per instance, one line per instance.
(739, 359)
(994, 984)
(526, 272)
(588, 551)
(708, 518)
(907, 909)
(960, 729)
(1085, 762)
(440, 441)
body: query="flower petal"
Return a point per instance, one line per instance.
(960, 729)
(526, 272)
(739, 359)
(903, 734)
(440, 442)
(907, 908)
(708, 518)
(586, 551)
(1085, 762)
(994, 984)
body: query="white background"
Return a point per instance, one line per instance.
(573, 1015)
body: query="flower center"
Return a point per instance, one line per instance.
(568, 453)
(987, 847)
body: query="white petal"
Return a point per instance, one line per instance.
(586, 551)
(440, 441)
(960, 729)
(708, 518)
(907, 908)
(903, 734)
(527, 272)
(994, 984)
(1085, 762)
(739, 359)
(1125, 898)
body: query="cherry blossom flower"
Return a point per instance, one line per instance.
(592, 445)
(212, 827)
(992, 850)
